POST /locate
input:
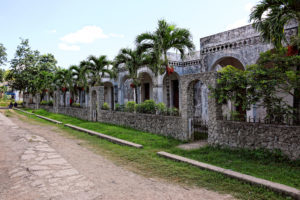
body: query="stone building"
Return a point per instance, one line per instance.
(238, 47)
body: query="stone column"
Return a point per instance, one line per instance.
(38, 100)
(99, 101)
(56, 101)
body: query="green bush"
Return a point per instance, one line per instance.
(44, 103)
(105, 106)
(173, 111)
(77, 105)
(50, 103)
(19, 102)
(161, 108)
(119, 107)
(130, 106)
(147, 106)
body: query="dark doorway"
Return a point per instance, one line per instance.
(175, 88)
(147, 91)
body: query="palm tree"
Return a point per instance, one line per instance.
(132, 60)
(158, 43)
(63, 80)
(278, 13)
(79, 78)
(97, 68)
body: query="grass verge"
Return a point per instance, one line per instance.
(257, 163)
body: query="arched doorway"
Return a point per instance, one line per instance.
(171, 90)
(109, 94)
(228, 108)
(197, 105)
(146, 86)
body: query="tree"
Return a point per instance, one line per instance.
(63, 80)
(157, 44)
(97, 68)
(3, 54)
(2, 72)
(30, 71)
(20, 72)
(132, 60)
(261, 83)
(277, 14)
(79, 78)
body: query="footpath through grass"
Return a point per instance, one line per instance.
(145, 161)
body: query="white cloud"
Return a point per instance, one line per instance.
(67, 47)
(238, 23)
(88, 34)
(114, 35)
(53, 31)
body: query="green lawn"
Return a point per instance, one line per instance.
(145, 161)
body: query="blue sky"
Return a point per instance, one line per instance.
(74, 29)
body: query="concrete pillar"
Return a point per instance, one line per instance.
(56, 100)
(37, 101)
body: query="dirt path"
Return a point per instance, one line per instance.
(37, 162)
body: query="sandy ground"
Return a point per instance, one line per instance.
(38, 162)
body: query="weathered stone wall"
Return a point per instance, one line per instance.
(163, 125)
(256, 135)
(48, 108)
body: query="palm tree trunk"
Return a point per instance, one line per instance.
(136, 95)
(167, 81)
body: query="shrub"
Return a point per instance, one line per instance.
(130, 106)
(173, 111)
(105, 106)
(119, 107)
(44, 103)
(19, 102)
(76, 105)
(161, 108)
(50, 103)
(147, 106)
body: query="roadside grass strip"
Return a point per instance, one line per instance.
(106, 137)
(29, 113)
(48, 119)
(287, 190)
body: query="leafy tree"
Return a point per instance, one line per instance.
(157, 44)
(30, 71)
(3, 55)
(2, 72)
(97, 67)
(270, 17)
(261, 83)
(277, 14)
(132, 60)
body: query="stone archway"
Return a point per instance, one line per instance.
(126, 92)
(109, 94)
(171, 90)
(214, 112)
(96, 102)
(146, 86)
(228, 107)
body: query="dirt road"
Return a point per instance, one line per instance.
(38, 162)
